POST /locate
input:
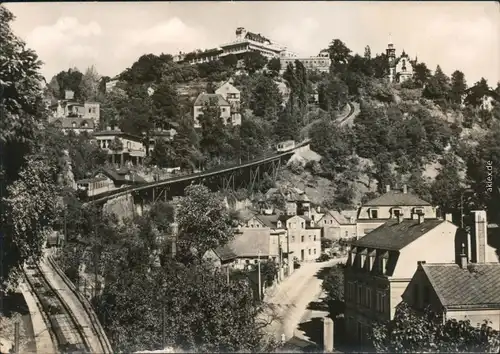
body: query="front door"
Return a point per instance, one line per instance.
(302, 255)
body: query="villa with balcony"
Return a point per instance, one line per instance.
(121, 146)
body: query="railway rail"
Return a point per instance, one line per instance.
(127, 190)
(64, 321)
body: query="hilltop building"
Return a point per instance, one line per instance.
(400, 68)
(321, 62)
(244, 42)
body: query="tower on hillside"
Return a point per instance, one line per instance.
(391, 57)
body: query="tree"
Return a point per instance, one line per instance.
(339, 53)
(89, 85)
(274, 65)
(162, 214)
(380, 66)
(29, 182)
(421, 74)
(254, 61)
(413, 332)
(230, 60)
(203, 221)
(266, 99)
(477, 92)
(333, 284)
(214, 138)
(254, 137)
(446, 188)
(166, 105)
(70, 80)
(458, 86)
(438, 86)
(333, 94)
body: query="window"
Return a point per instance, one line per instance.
(347, 234)
(309, 237)
(362, 262)
(301, 238)
(293, 238)
(309, 251)
(302, 224)
(380, 302)
(90, 110)
(368, 299)
(358, 294)
(418, 210)
(416, 299)
(314, 237)
(315, 251)
(223, 109)
(247, 261)
(251, 225)
(397, 212)
(256, 261)
(374, 214)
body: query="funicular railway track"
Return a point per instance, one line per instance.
(64, 325)
(61, 321)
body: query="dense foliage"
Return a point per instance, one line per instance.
(413, 332)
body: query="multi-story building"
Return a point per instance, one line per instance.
(245, 42)
(226, 98)
(232, 95)
(336, 226)
(321, 62)
(400, 68)
(130, 147)
(388, 206)
(468, 288)
(381, 264)
(75, 116)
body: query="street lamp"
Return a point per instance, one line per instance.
(468, 190)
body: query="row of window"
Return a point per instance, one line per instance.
(363, 295)
(395, 212)
(302, 238)
(368, 262)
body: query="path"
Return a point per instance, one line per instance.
(291, 299)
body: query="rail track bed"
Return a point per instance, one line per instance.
(61, 321)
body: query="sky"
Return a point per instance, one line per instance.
(112, 35)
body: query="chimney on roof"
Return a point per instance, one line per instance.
(405, 189)
(480, 232)
(463, 258)
(387, 188)
(420, 262)
(421, 218)
(448, 217)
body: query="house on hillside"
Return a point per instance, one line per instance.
(130, 147)
(390, 205)
(120, 177)
(213, 100)
(232, 95)
(76, 116)
(320, 62)
(459, 290)
(381, 264)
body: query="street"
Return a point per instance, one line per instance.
(288, 304)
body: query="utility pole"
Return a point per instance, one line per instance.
(163, 326)
(227, 274)
(95, 260)
(16, 337)
(260, 281)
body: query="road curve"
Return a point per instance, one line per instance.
(292, 297)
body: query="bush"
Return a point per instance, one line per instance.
(296, 168)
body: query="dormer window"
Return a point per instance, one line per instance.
(373, 213)
(396, 212)
(362, 260)
(418, 211)
(352, 256)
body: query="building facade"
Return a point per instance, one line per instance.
(390, 205)
(130, 149)
(244, 42)
(335, 226)
(232, 95)
(381, 264)
(211, 100)
(400, 68)
(321, 62)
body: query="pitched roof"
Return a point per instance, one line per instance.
(395, 236)
(250, 242)
(397, 198)
(225, 253)
(476, 286)
(67, 123)
(205, 98)
(337, 216)
(119, 175)
(90, 180)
